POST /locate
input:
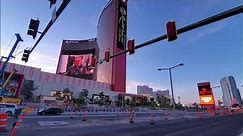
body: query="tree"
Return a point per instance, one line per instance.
(27, 89)
(67, 94)
(133, 102)
(179, 106)
(84, 93)
(163, 101)
(66, 90)
(145, 101)
(102, 99)
(80, 102)
(195, 105)
(153, 104)
(118, 103)
(127, 101)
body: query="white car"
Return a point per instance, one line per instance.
(9, 109)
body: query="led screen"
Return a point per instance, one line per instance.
(76, 66)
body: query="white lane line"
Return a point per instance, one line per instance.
(52, 123)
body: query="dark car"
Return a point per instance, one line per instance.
(50, 111)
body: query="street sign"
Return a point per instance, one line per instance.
(5, 100)
(54, 15)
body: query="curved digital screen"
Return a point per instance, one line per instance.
(76, 66)
(75, 58)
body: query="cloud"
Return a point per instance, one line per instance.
(46, 62)
(213, 29)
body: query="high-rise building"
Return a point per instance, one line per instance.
(112, 34)
(159, 92)
(144, 90)
(230, 91)
(75, 56)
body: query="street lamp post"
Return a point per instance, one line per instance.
(215, 87)
(171, 84)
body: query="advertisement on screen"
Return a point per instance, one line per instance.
(122, 25)
(76, 66)
(206, 95)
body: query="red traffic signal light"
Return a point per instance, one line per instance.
(93, 61)
(171, 30)
(131, 46)
(33, 27)
(107, 55)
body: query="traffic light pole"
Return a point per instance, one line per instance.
(59, 11)
(19, 39)
(209, 20)
(172, 92)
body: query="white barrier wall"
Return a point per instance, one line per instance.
(49, 81)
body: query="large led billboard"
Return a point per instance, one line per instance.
(76, 65)
(206, 95)
(75, 58)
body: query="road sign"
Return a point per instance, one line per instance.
(54, 15)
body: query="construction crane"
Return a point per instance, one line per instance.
(10, 55)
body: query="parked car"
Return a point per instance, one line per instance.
(50, 111)
(9, 109)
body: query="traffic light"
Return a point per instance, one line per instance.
(131, 46)
(26, 55)
(107, 55)
(171, 30)
(52, 2)
(33, 27)
(93, 61)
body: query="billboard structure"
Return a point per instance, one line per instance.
(206, 95)
(13, 84)
(75, 58)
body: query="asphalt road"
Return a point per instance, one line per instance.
(220, 126)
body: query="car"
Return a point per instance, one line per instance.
(50, 111)
(8, 109)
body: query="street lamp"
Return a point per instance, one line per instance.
(215, 86)
(179, 99)
(171, 85)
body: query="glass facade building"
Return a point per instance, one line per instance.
(230, 91)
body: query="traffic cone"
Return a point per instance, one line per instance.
(131, 117)
(3, 122)
(84, 116)
(12, 132)
(185, 117)
(166, 116)
(16, 125)
(71, 116)
(151, 118)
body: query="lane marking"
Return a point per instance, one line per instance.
(52, 123)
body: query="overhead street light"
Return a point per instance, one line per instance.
(171, 85)
(215, 86)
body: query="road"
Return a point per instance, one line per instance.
(119, 126)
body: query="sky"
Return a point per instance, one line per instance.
(208, 53)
